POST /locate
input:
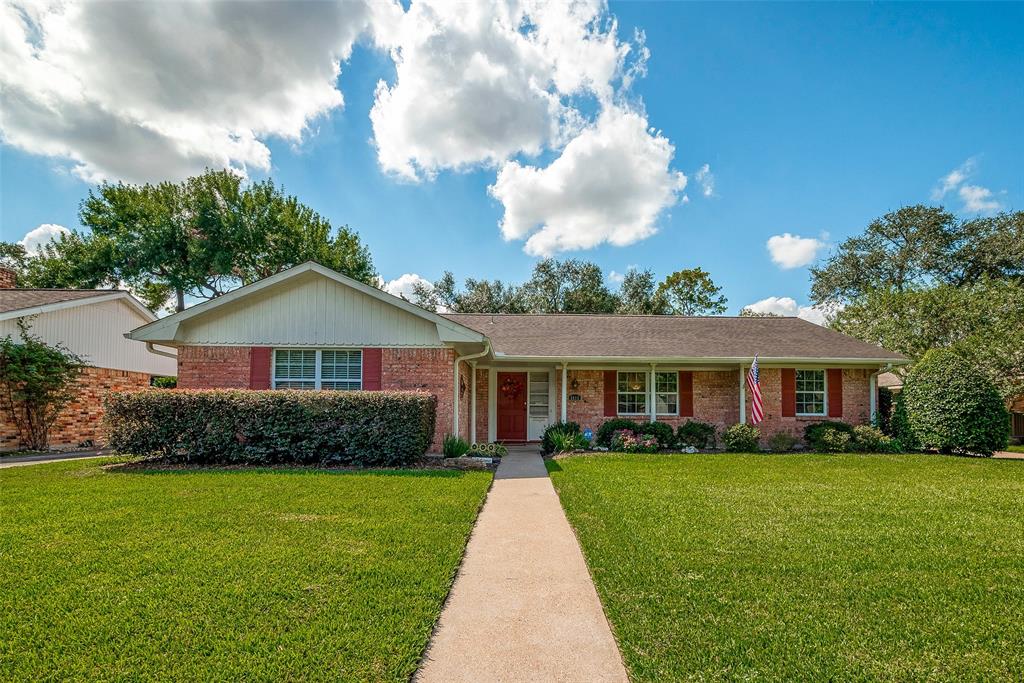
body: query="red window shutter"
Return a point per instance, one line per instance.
(611, 395)
(788, 392)
(372, 360)
(259, 367)
(685, 393)
(835, 392)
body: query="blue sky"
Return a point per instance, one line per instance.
(811, 118)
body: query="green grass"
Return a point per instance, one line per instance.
(1016, 448)
(805, 567)
(225, 575)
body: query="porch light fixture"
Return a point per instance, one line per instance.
(575, 384)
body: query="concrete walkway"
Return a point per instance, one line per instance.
(22, 460)
(523, 607)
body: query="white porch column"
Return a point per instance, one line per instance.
(652, 394)
(565, 391)
(743, 395)
(472, 402)
(455, 410)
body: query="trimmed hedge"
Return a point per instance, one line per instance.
(952, 406)
(697, 434)
(359, 428)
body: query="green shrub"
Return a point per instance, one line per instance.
(899, 424)
(661, 431)
(815, 435)
(781, 442)
(609, 427)
(696, 434)
(163, 382)
(627, 441)
(547, 442)
(360, 428)
(742, 438)
(454, 446)
(835, 441)
(872, 440)
(565, 442)
(952, 406)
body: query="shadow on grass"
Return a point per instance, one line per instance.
(145, 468)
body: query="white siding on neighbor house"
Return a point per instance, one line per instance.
(309, 311)
(96, 332)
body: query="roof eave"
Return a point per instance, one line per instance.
(724, 360)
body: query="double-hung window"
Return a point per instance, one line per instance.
(810, 392)
(632, 393)
(334, 369)
(666, 393)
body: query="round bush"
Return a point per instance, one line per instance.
(818, 436)
(661, 431)
(697, 434)
(953, 406)
(609, 427)
(742, 438)
(899, 424)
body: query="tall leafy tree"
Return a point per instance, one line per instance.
(920, 246)
(199, 238)
(693, 292)
(570, 286)
(639, 295)
(479, 296)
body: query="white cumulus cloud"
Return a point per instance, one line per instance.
(787, 306)
(978, 199)
(609, 184)
(479, 82)
(706, 179)
(153, 91)
(952, 180)
(404, 285)
(35, 239)
(792, 251)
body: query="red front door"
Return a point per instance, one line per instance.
(511, 406)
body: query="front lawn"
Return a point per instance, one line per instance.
(1016, 448)
(805, 567)
(225, 575)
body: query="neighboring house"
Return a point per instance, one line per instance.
(91, 323)
(894, 382)
(506, 377)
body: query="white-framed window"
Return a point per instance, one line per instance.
(332, 369)
(666, 393)
(632, 393)
(810, 392)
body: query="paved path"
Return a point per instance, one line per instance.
(22, 460)
(1008, 455)
(523, 607)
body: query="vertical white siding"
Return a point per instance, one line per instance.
(310, 311)
(96, 332)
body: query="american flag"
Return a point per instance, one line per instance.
(754, 384)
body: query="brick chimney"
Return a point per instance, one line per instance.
(8, 278)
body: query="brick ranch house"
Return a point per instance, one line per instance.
(506, 377)
(92, 324)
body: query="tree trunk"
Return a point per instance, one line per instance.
(181, 300)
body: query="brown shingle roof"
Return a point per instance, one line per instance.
(17, 299)
(662, 336)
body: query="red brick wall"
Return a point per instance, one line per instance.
(213, 367)
(716, 400)
(81, 420)
(428, 370)
(8, 278)
(856, 403)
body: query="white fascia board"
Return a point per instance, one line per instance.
(762, 360)
(73, 303)
(167, 328)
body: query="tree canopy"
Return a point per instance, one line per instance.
(199, 238)
(576, 286)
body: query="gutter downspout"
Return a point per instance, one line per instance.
(149, 347)
(873, 388)
(455, 393)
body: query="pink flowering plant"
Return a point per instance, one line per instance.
(626, 441)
